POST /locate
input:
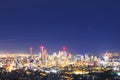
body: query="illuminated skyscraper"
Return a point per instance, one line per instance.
(45, 54)
(31, 51)
(42, 52)
(64, 51)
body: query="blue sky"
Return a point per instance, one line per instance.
(82, 25)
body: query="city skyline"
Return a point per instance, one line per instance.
(82, 26)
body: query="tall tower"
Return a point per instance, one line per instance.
(64, 48)
(42, 52)
(45, 54)
(31, 51)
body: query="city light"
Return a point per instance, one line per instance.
(61, 62)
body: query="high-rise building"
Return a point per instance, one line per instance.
(31, 53)
(42, 52)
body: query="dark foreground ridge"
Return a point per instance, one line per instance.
(22, 74)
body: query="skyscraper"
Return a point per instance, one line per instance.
(42, 52)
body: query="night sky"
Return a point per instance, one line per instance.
(84, 26)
